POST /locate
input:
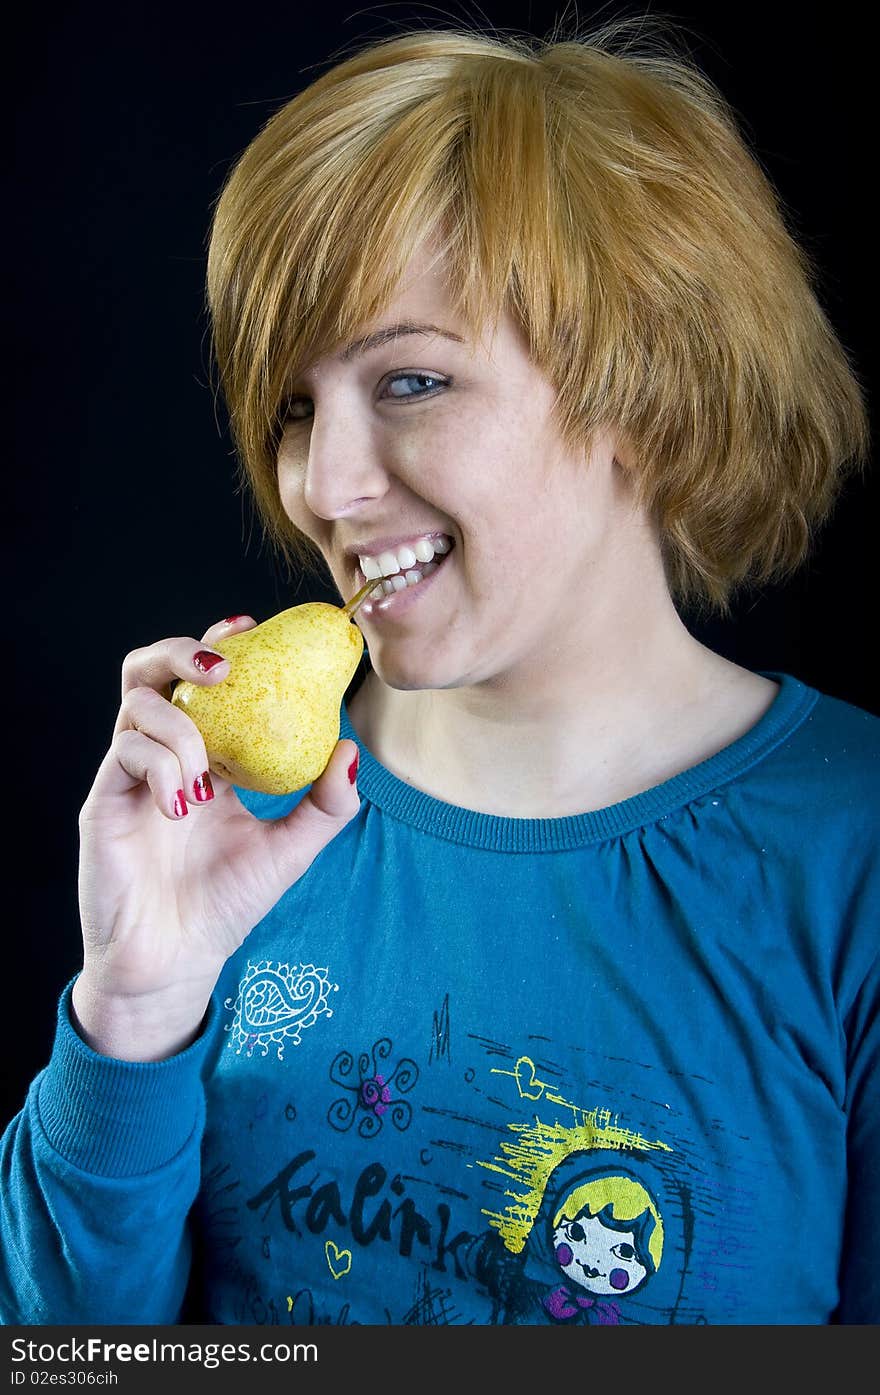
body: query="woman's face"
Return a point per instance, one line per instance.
(418, 435)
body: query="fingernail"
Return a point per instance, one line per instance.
(202, 788)
(205, 661)
(353, 769)
(180, 805)
(231, 619)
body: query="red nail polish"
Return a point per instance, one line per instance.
(180, 805)
(202, 787)
(353, 769)
(231, 619)
(206, 661)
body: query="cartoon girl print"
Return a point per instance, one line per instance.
(606, 1237)
(597, 1237)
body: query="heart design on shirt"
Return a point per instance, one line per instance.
(338, 1261)
(527, 1082)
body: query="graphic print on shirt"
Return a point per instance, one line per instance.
(476, 1187)
(607, 1238)
(441, 1042)
(376, 1091)
(276, 1002)
(591, 1225)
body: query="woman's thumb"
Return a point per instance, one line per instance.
(335, 790)
(329, 805)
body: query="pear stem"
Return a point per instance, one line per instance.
(351, 606)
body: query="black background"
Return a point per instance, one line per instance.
(125, 525)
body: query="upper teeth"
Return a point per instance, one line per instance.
(390, 563)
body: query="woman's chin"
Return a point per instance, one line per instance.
(408, 673)
(407, 682)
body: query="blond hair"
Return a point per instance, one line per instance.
(596, 186)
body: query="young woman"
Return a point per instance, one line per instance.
(518, 326)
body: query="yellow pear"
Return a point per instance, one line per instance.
(273, 723)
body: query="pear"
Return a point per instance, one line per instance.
(273, 723)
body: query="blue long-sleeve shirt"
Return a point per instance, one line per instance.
(617, 1068)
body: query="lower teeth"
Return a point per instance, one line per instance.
(409, 578)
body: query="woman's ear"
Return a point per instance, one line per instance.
(624, 455)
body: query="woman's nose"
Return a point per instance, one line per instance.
(343, 467)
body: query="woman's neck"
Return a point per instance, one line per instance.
(653, 704)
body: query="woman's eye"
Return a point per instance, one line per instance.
(425, 380)
(298, 408)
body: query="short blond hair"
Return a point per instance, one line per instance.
(597, 187)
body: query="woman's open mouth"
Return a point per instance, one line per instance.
(397, 593)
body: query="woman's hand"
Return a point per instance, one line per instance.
(165, 898)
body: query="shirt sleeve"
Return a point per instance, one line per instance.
(98, 1173)
(860, 1273)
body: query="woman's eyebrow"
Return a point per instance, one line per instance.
(398, 331)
